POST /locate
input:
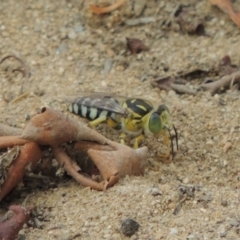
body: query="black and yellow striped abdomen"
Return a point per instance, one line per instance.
(88, 108)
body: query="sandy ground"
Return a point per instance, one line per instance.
(66, 48)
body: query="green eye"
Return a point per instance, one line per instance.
(155, 124)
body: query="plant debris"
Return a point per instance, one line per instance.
(226, 81)
(226, 67)
(6, 160)
(180, 83)
(13, 221)
(168, 83)
(53, 128)
(136, 46)
(138, 21)
(187, 22)
(101, 10)
(185, 19)
(226, 6)
(227, 146)
(23, 68)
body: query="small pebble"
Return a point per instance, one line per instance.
(234, 223)
(107, 66)
(129, 226)
(72, 34)
(155, 191)
(173, 231)
(224, 202)
(190, 237)
(120, 68)
(195, 236)
(63, 47)
(79, 28)
(143, 78)
(222, 232)
(190, 191)
(61, 70)
(185, 180)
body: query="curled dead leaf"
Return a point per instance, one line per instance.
(189, 23)
(10, 226)
(226, 6)
(135, 45)
(101, 10)
(51, 129)
(226, 67)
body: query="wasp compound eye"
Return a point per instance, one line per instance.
(155, 124)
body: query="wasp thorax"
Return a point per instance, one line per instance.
(162, 108)
(155, 123)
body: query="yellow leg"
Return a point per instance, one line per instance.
(166, 142)
(137, 140)
(97, 121)
(122, 138)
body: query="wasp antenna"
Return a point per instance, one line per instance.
(171, 142)
(176, 134)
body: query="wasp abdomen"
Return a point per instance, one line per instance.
(90, 113)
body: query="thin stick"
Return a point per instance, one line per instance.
(225, 81)
(180, 88)
(100, 10)
(24, 95)
(66, 163)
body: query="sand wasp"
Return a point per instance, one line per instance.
(135, 116)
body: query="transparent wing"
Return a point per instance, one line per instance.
(102, 101)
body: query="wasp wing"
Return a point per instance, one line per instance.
(102, 101)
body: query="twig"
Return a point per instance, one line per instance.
(180, 88)
(168, 84)
(138, 21)
(225, 81)
(100, 10)
(24, 95)
(65, 162)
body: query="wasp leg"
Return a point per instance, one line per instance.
(122, 138)
(97, 121)
(166, 142)
(137, 140)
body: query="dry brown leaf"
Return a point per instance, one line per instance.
(136, 45)
(227, 6)
(100, 10)
(10, 227)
